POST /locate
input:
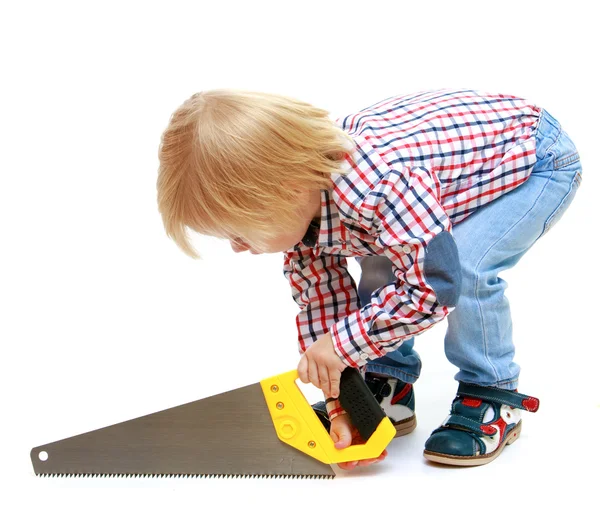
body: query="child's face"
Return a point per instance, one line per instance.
(309, 208)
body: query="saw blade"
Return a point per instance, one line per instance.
(229, 434)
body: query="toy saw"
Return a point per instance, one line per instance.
(266, 429)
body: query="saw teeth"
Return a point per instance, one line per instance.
(132, 475)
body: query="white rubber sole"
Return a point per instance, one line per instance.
(406, 426)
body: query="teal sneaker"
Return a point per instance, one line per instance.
(482, 421)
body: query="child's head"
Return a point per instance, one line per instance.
(243, 165)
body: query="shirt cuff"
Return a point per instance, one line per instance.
(352, 343)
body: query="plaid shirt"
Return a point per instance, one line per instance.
(422, 163)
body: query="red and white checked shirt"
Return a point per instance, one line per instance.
(422, 163)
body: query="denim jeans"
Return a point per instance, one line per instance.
(493, 239)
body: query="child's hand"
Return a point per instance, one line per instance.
(344, 434)
(321, 366)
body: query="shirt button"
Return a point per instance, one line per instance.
(406, 249)
(364, 356)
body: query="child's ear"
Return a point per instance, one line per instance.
(307, 199)
(301, 193)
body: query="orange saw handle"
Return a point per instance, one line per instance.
(297, 424)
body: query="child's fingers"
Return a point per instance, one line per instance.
(324, 379)
(334, 383)
(348, 465)
(303, 370)
(365, 462)
(342, 438)
(313, 374)
(368, 462)
(341, 432)
(359, 463)
(337, 430)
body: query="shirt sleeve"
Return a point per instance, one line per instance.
(326, 293)
(323, 288)
(404, 215)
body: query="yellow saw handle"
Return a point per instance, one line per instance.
(298, 425)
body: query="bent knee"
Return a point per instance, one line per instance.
(442, 268)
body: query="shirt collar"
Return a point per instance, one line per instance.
(330, 232)
(325, 231)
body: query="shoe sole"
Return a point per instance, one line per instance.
(406, 426)
(476, 460)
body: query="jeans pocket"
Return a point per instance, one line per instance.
(564, 204)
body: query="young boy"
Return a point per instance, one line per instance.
(436, 192)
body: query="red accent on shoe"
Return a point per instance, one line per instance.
(490, 430)
(472, 402)
(531, 404)
(402, 394)
(486, 429)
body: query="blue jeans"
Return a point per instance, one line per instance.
(493, 239)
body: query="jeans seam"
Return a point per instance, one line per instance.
(477, 280)
(560, 130)
(378, 368)
(567, 160)
(507, 381)
(548, 223)
(483, 326)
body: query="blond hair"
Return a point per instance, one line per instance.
(232, 163)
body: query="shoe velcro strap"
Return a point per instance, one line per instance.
(499, 396)
(455, 420)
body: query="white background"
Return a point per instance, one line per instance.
(103, 319)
